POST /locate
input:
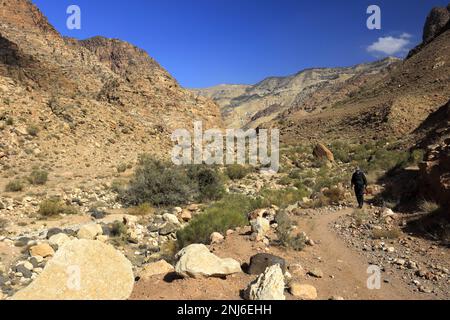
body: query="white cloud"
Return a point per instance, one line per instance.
(390, 45)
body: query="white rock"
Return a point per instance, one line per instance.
(216, 237)
(90, 231)
(268, 286)
(197, 261)
(82, 270)
(58, 239)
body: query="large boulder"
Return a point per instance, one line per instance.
(269, 285)
(321, 152)
(197, 261)
(82, 270)
(261, 261)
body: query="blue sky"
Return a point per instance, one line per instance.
(208, 42)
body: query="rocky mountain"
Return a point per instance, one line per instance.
(94, 102)
(249, 106)
(393, 104)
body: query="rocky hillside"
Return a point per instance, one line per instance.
(393, 105)
(90, 103)
(249, 106)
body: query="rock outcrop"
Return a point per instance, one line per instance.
(82, 270)
(435, 174)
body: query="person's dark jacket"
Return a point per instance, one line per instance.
(359, 179)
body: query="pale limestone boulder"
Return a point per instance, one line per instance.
(196, 261)
(82, 270)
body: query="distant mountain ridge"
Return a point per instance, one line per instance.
(250, 105)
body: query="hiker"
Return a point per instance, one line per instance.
(359, 181)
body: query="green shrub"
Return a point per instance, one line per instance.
(3, 224)
(284, 233)
(386, 234)
(32, 130)
(159, 184)
(141, 210)
(283, 197)
(53, 207)
(38, 177)
(119, 229)
(209, 183)
(228, 213)
(14, 186)
(237, 171)
(121, 168)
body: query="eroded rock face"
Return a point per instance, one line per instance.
(435, 23)
(435, 174)
(269, 285)
(197, 261)
(82, 270)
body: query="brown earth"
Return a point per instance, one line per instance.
(344, 269)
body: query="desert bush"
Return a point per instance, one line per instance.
(237, 171)
(14, 186)
(283, 197)
(335, 194)
(53, 207)
(119, 229)
(118, 185)
(121, 168)
(3, 224)
(209, 183)
(429, 207)
(141, 210)
(393, 233)
(38, 177)
(228, 213)
(32, 130)
(284, 233)
(360, 216)
(159, 184)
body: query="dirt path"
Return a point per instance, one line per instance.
(345, 268)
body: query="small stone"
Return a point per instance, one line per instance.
(43, 250)
(186, 216)
(303, 291)
(316, 273)
(216, 238)
(58, 240)
(156, 268)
